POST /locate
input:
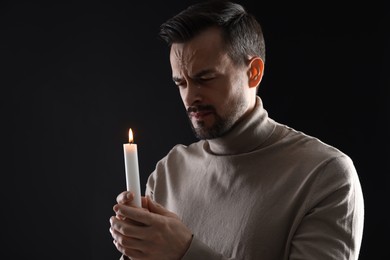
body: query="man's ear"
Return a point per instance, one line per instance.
(255, 72)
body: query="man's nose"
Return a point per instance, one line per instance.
(193, 94)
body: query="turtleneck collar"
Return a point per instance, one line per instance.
(247, 135)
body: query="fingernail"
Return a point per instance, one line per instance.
(129, 195)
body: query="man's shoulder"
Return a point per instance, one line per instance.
(308, 147)
(182, 151)
(302, 140)
(312, 156)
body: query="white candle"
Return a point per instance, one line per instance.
(132, 171)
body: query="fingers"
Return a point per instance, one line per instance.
(135, 214)
(125, 241)
(133, 253)
(125, 197)
(149, 232)
(158, 209)
(126, 228)
(141, 216)
(144, 202)
(127, 245)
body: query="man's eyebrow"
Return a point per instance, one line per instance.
(196, 76)
(203, 73)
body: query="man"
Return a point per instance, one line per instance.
(251, 188)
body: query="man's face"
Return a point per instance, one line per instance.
(213, 89)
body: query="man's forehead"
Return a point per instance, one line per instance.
(181, 54)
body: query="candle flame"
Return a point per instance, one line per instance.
(131, 139)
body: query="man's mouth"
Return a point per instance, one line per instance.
(200, 112)
(200, 115)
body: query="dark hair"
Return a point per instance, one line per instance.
(241, 31)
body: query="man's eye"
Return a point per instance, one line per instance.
(180, 84)
(204, 79)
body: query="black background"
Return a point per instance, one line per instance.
(76, 75)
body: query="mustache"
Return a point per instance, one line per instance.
(200, 108)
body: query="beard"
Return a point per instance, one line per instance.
(222, 123)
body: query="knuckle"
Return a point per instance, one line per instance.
(119, 247)
(120, 240)
(139, 214)
(118, 227)
(121, 197)
(121, 229)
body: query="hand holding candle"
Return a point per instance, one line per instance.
(132, 171)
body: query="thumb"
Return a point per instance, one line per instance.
(157, 208)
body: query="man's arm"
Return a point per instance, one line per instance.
(333, 225)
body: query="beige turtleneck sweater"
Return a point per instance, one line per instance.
(263, 191)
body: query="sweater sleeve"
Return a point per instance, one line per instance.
(333, 224)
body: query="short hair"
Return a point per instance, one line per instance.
(241, 32)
